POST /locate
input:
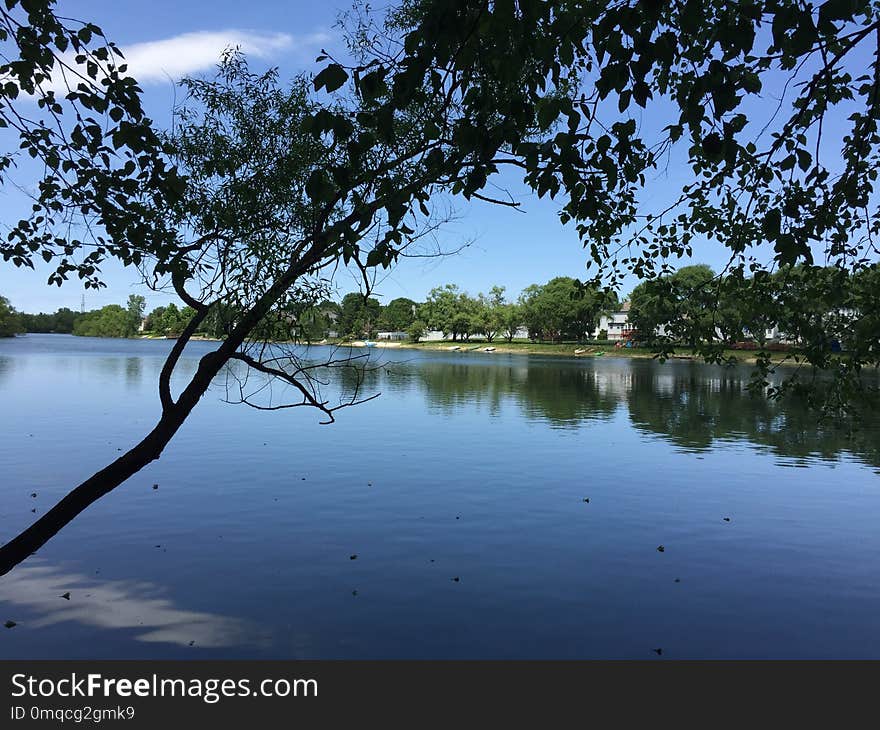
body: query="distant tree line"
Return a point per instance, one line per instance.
(110, 321)
(563, 308)
(691, 306)
(61, 321)
(168, 320)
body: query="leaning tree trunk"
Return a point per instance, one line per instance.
(111, 476)
(174, 413)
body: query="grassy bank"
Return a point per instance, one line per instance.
(525, 347)
(566, 349)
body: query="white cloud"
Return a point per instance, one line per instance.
(172, 58)
(156, 61)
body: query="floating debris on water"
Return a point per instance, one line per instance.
(661, 549)
(353, 557)
(10, 624)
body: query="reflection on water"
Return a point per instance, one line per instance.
(6, 365)
(695, 412)
(564, 396)
(133, 371)
(470, 466)
(692, 405)
(37, 589)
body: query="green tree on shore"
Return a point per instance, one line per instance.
(511, 320)
(563, 308)
(359, 315)
(683, 305)
(134, 310)
(10, 322)
(488, 317)
(110, 321)
(416, 331)
(398, 314)
(155, 319)
(442, 307)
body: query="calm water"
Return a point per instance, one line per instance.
(469, 465)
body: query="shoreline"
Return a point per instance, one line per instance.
(568, 350)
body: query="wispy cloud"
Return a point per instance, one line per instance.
(170, 59)
(159, 60)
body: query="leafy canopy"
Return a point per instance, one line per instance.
(102, 172)
(555, 89)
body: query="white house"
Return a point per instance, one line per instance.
(617, 323)
(393, 336)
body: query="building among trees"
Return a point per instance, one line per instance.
(616, 323)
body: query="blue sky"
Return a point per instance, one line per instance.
(164, 40)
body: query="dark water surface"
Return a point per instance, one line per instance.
(468, 466)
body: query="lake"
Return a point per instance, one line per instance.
(461, 491)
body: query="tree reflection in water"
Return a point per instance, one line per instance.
(692, 405)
